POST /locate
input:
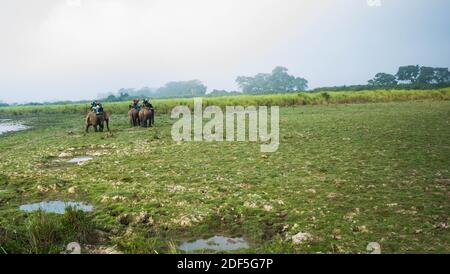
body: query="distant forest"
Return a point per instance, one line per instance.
(280, 81)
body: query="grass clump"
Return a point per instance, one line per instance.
(46, 233)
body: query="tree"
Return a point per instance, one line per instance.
(426, 75)
(441, 75)
(300, 84)
(277, 81)
(280, 80)
(182, 89)
(245, 83)
(383, 79)
(423, 75)
(408, 73)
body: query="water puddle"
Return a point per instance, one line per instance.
(217, 243)
(58, 207)
(7, 125)
(80, 159)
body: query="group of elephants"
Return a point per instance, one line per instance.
(144, 117)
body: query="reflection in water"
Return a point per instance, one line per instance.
(56, 206)
(80, 159)
(7, 125)
(218, 243)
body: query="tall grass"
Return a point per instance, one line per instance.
(42, 233)
(282, 100)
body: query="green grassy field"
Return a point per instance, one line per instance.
(164, 106)
(346, 174)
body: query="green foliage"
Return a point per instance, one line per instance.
(401, 86)
(43, 233)
(383, 79)
(286, 99)
(170, 90)
(423, 75)
(182, 89)
(277, 82)
(216, 93)
(433, 75)
(408, 73)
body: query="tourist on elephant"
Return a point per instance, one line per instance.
(97, 107)
(147, 104)
(136, 104)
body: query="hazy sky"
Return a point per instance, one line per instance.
(75, 49)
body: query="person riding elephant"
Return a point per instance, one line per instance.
(97, 107)
(135, 104)
(133, 113)
(97, 117)
(93, 105)
(147, 114)
(147, 104)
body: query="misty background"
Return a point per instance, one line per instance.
(78, 49)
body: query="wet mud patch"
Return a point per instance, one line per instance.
(216, 243)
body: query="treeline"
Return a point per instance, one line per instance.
(412, 86)
(407, 78)
(413, 77)
(278, 81)
(176, 89)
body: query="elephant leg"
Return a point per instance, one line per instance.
(96, 128)
(107, 124)
(87, 128)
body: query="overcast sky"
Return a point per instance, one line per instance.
(75, 49)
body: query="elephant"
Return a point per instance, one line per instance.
(147, 117)
(133, 116)
(97, 120)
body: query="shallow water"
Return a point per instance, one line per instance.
(80, 159)
(218, 243)
(56, 206)
(6, 125)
